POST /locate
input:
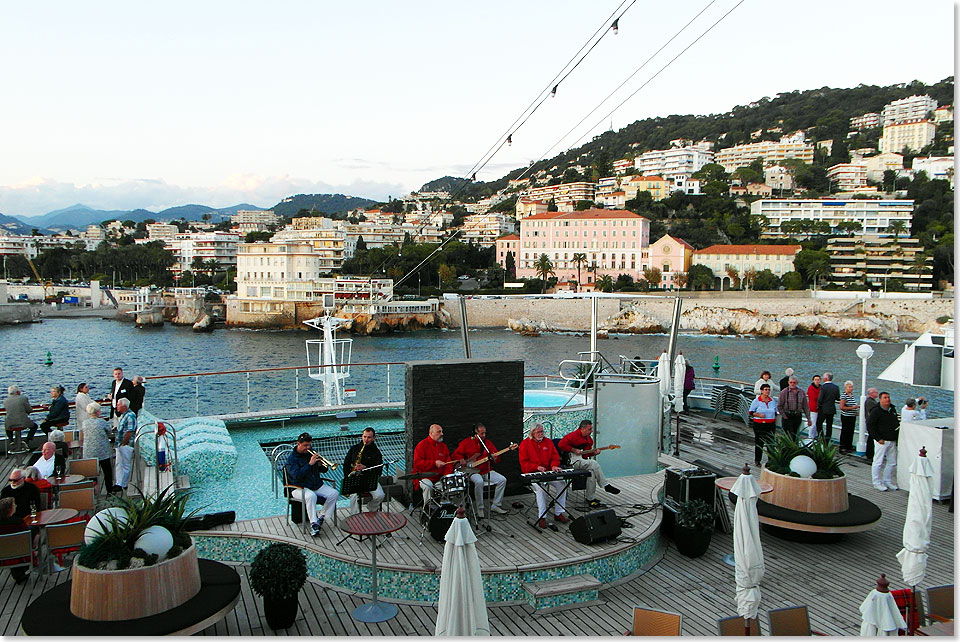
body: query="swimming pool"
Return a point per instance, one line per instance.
(553, 399)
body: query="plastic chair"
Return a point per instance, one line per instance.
(77, 486)
(650, 622)
(734, 626)
(63, 539)
(89, 468)
(16, 550)
(81, 500)
(790, 620)
(940, 603)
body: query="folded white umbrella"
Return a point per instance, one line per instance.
(462, 609)
(880, 615)
(663, 372)
(918, 522)
(679, 376)
(747, 551)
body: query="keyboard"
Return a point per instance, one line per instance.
(549, 476)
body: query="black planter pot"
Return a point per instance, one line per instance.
(691, 542)
(280, 614)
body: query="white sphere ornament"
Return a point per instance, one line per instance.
(102, 522)
(803, 466)
(155, 540)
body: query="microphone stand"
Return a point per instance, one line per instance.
(485, 480)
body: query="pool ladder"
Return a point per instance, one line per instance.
(162, 479)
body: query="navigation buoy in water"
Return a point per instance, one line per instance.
(49, 361)
(716, 362)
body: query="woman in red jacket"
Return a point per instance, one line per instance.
(813, 393)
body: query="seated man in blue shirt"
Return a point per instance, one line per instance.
(304, 469)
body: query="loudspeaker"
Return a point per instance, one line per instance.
(595, 527)
(685, 484)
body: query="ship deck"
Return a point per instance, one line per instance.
(832, 579)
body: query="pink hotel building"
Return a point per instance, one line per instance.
(616, 240)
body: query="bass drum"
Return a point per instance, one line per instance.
(440, 521)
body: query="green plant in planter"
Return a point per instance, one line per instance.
(696, 514)
(783, 447)
(828, 459)
(780, 449)
(278, 572)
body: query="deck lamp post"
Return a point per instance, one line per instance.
(864, 352)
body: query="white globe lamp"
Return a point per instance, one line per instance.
(155, 540)
(803, 466)
(103, 521)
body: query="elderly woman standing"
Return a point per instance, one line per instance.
(82, 400)
(849, 412)
(96, 441)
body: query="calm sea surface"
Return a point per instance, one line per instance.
(88, 349)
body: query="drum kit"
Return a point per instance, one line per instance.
(449, 493)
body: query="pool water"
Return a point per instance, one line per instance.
(551, 399)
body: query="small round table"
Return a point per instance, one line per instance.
(371, 524)
(51, 516)
(726, 483)
(66, 479)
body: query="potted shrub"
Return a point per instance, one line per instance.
(277, 574)
(694, 527)
(821, 490)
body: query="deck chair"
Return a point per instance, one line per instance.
(63, 539)
(733, 625)
(940, 603)
(16, 550)
(790, 620)
(650, 622)
(80, 499)
(89, 468)
(916, 619)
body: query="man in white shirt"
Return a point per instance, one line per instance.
(909, 411)
(47, 461)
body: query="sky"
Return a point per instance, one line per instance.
(119, 105)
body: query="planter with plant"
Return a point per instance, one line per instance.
(137, 560)
(277, 573)
(693, 529)
(806, 476)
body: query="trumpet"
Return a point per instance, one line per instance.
(323, 460)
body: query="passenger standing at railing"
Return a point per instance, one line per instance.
(17, 407)
(126, 431)
(119, 389)
(813, 394)
(763, 413)
(689, 384)
(136, 394)
(96, 442)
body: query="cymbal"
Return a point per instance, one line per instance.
(466, 470)
(409, 476)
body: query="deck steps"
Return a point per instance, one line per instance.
(149, 480)
(570, 592)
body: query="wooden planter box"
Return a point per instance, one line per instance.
(134, 593)
(804, 494)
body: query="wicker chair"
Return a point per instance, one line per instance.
(940, 603)
(790, 620)
(650, 622)
(734, 626)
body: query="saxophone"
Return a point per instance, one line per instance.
(359, 457)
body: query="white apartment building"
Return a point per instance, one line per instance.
(770, 152)
(254, 217)
(910, 108)
(616, 240)
(936, 167)
(849, 177)
(565, 195)
(676, 164)
(161, 231)
(376, 234)
(943, 114)
(31, 246)
(93, 236)
(873, 215)
(877, 165)
(438, 219)
(206, 246)
(909, 134)
(528, 206)
(622, 165)
(779, 178)
(866, 121)
(485, 229)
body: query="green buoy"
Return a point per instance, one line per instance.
(49, 361)
(716, 362)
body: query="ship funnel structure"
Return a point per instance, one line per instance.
(928, 361)
(328, 358)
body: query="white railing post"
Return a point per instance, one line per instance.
(296, 374)
(196, 393)
(248, 392)
(388, 383)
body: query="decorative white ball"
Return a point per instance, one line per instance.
(803, 466)
(101, 522)
(155, 539)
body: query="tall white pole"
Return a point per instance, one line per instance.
(864, 352)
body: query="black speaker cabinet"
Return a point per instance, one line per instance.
(595, 527)
(685, 484)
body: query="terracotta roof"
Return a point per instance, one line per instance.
(750, 249)
(591, 214)
(675, 238)
(509, 237)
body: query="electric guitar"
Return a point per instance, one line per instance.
(596, 451)
(474, 463)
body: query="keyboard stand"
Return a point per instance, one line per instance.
(547, 488)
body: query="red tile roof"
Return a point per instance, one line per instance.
(750, 249)
(509, 237)
(591, 214)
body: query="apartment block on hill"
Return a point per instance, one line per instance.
(875, 216)
(769, 152)
(910, 108)
(912, 135)
(565, 195)
(872, 260)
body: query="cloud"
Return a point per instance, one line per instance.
(38, 195)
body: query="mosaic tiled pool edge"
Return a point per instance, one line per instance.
(424, 586)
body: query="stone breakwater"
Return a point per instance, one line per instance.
(845, 319)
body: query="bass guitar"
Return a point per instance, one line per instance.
(475, 463)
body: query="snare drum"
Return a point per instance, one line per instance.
(454, 484)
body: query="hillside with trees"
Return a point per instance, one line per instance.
(319, 203)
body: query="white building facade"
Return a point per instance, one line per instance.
(874, 215)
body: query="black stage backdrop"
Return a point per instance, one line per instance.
(461, 392)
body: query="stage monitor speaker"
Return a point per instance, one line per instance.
(595, 527)
(685, 484)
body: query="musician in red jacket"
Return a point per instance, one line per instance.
(538, 455)
(431, 456)
(579, 444)
(472, 447)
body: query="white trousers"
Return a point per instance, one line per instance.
(499, 482)
(812, 428)
(122, 469)
(596, 474)
(426, 487)
(884, 459)
(560, 507)
(376, 498)
(309, 498)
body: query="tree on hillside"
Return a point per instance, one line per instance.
(712, 172)
(256, 237)
(897, 228)
(447, 274)
(813, 264)
(544, 269)
(700, 277)
(792, 281)
(766, 280)
(552, 205)
(511, 266)
(581, 206)
(747, 175)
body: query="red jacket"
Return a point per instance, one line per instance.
(533, 455)
(470, 447)
(425, 457)
(813, 393)
(576, 440)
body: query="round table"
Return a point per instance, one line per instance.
(371, 524)
(67, 479)
(51, 516)
(726, 483)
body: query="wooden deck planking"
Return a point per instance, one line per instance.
(831, 579)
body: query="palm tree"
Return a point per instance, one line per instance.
(544, 269)
(734, 276)
(605, 284)
(897, 228)
(579, 259)
(593, 268)
(918, 265)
